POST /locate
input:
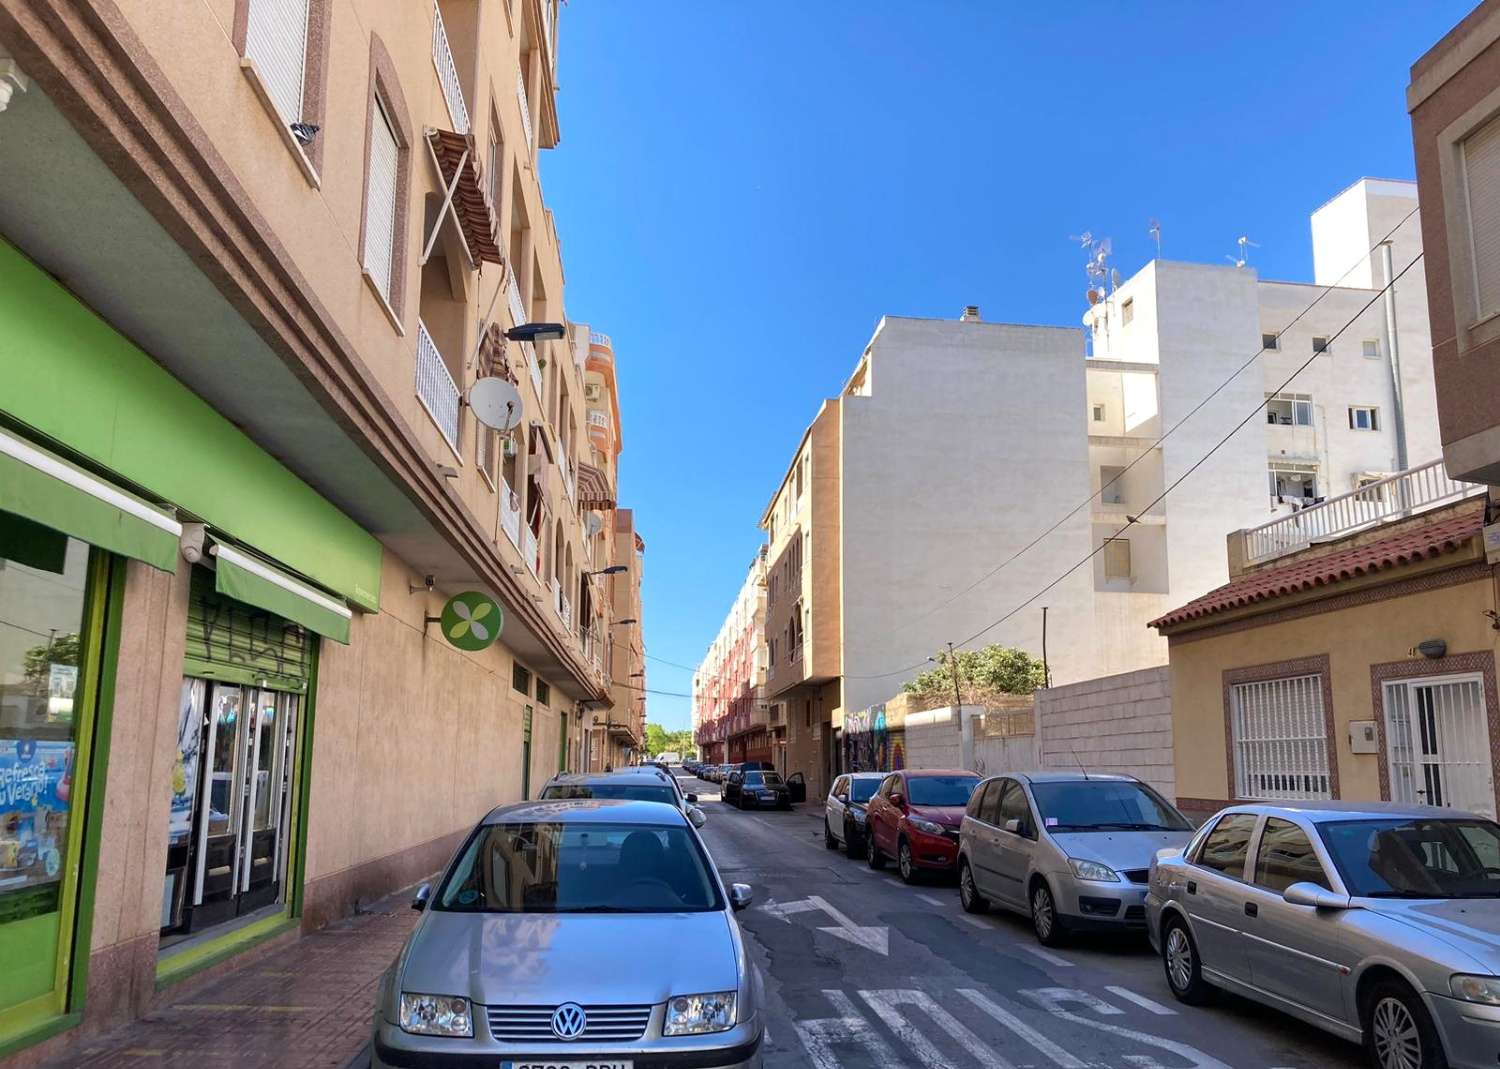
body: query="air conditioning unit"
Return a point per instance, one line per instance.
(593, 391)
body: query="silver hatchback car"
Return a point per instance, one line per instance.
(528, 954)
(1377, 922)
(1071, 849)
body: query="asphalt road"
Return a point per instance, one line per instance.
(863, 971)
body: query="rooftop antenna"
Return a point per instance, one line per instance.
(1245, 244)
(1154, 229)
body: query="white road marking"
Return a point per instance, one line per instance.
(819, 1037)
(1063, 1059)
(1142, 1001)
(932, 901)
(872, 937)
(974, 922)
(1049, 957)
(888, 1007)
(1054, 999)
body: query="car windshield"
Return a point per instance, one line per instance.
(940, 790)
(1404, 858)
(557, 867)
(1105, 805)
(862, 790)
(633, 792)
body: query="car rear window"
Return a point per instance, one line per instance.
(940, 790)
(633, 792)
(862, 790)
(565, 867)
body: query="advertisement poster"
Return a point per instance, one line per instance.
(185, 770)
(62, 680)
(36, 786)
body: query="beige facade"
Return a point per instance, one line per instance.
(327, 261)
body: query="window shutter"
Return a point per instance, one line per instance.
(380, 202)
(1482, 185)
(276, 42)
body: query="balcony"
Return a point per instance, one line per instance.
(435, 387)
(562, 605)
(566, 468)
(528, 350)
(510, 513)
(525, 105)
(447, 72)
(1403, 494)
(530, 551)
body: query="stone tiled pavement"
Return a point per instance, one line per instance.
(308, 1007)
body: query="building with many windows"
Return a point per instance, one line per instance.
(278, 615)
(731, 719)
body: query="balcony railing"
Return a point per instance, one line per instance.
(528, 350)
(435, 386)
(598, 337)
(510, 513)
(525, 104)
(447, 71)
(1403, 494)
(530, 551)
(567, 473)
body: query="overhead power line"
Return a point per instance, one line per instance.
(1171, 486)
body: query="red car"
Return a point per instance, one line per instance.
(914, 818)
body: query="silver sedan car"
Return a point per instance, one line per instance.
(1377, 922)
(529, 953)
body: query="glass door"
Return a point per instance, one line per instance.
(219, 818)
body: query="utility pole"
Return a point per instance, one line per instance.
(1046, 672)
(952, 660)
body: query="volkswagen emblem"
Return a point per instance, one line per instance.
(569, 1021)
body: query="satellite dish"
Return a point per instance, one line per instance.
(594, 524)
(496, 404)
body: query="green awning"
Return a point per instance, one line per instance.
(251, 580)
(44, 488)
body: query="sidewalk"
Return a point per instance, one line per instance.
(306, 1008)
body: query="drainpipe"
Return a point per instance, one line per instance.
(1398, 407)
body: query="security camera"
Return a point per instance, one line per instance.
(191, 542)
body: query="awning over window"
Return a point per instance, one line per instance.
(251, 580)
(593, 488)
(475, 218)
(40, 486)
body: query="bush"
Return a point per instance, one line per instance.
(982, 674)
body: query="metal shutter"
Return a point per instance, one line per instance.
(1481, 156)
(380, 201)
(276, 42)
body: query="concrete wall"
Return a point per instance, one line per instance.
(1120, 723)
(934, 739)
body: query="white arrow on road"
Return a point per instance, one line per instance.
(876, 938)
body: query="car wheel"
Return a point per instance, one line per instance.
(968, 892)
(1399, 1033)
(1179, 957)
(873, 856)
(904, 862)
(828, 840)
(1044, 919)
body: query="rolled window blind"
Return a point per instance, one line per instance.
(1481, 151)
(276, 43)
(380, 202)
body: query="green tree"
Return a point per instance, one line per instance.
(982, 674)
(657, 739)
(37, 662)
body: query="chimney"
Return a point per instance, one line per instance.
(971, 314)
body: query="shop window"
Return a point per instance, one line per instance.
(543, 692)
(520, 679)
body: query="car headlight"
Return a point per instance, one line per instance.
(691, 1015)
(436, 1015)
(1092, 870)
(926, 826)
(1485, 989)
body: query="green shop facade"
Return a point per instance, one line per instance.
(114, 477)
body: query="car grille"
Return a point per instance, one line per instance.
(526, 1024)
(1135, 914)
(1137, 875)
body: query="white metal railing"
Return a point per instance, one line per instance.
(1403, 494)
(435, 386)
(534, 369)
(567, 613)
(525, 104)
(547, 19)
(510, 513)
(598, 337)
(529, 550)
(567, 472)
(598, 418)
(447, 71)
(517, 306)
(528, 350)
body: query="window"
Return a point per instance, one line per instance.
(1127, 311)
(1297, 485)
(1013, 806)
(495, 162)
(1289, 409)
(543, 692)
(1481, 179)
(1372, 348)
(1098, 413)
(1112, 485)
(1117, 558)
(772, 652)
(1270, 342)
(276, 44)
(1363, 418)
(977, 801)
(520, 679)
(380, 201)
(1280, 739)
(1225, 847)
(1286, 857)
(889, 785)
(1320, 345)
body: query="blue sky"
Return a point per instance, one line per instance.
(744, 188)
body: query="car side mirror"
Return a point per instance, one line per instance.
(692, 799)
(898, 799)
(842, 798)
(1013, 825)
(696, 817)
(419, 900)
(1310, 894)
(740, 896)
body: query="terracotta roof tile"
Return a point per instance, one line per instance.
(1445, 535)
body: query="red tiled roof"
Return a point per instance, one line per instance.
(468, 198)
(1445, 535)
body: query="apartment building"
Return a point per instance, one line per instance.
(731, 718)
(1454, 101)
(253, 255)
(972, 473)
(624, 720)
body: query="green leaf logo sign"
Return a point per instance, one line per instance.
(471, 620)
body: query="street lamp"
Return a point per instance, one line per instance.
(625, 622)
(613, 569)
(537, 332)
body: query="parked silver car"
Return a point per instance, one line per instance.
(1377, 922)
(1071, 849)
(844, 811)
(529, 954)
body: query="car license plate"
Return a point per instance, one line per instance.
(611, 1063)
